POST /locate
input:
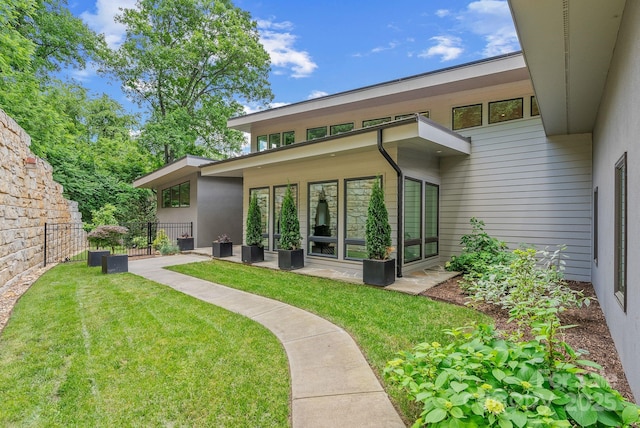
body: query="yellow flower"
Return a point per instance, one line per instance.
(435, 345)
(525, 384)
(448, 405)
(494, 406)
(486, 386)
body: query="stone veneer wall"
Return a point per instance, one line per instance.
(29, 198)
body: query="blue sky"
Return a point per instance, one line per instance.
(324, 47)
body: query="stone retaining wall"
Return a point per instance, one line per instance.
(29, 198)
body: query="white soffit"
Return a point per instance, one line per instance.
(568, 45)
(173, 171)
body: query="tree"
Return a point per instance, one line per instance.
(289, 224)
(378, 230)
(254, 223)
(190, 62)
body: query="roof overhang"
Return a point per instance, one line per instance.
(417, 133)
(171, 172)
(568, 47)
(479, 74)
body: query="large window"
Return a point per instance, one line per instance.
(467, 116)
(323, 219)
(501, 111)
(357, 195)
(262, 195)
(177, 196)
(431, 219)
(278, 196)
(620, 280)
(412, 220)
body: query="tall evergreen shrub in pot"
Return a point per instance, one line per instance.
(290, 255)
(253, 251)
(378, 268)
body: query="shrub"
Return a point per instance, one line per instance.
(479, 251)
(378, 230)
(107, 236)
(289, 224)
(168, 248)
(254, 222)
(480, 379)
(161, 240)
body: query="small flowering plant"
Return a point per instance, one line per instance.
(480, 379)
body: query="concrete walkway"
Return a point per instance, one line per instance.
(331, 383)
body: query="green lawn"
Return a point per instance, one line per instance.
(382, 322)
(86, 349)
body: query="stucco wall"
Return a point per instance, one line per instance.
(617, 131)
(528, 189)
(219, 209)
(29, 198)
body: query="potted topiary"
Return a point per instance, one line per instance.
(378, 268)
(290, 255)
(111, 235)
(185, 242)
(222, 247)
(253, 251)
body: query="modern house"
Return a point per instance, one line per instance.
(213, 205)
(539, 144)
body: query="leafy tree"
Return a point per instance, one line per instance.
(189, 62)
(16, 50)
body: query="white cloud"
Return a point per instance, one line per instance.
(446, 47)
(317, 94)
(389, 46)
(102, 21)
(278, 42)
(250, 109)
(441, 13)
(492, 20)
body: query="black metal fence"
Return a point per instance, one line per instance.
(68, 241)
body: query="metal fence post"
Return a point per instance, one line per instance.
(45, 244)
(149, 238)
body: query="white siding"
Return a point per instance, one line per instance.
(526, 187)
(617, 131)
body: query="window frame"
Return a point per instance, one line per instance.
(323, 239)
(276, 235)
(285, 135)
(494, 103)
(378, 121)
(262, 139)
(436, 238)
(274, 142)
(315, 129)
(453, 116)
(177, 191)
(621, 220)
(331, 128)
(354, 241)
(265, 235)
(413, 241)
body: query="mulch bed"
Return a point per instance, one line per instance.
(591, 333)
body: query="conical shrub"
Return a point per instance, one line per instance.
(378, 230)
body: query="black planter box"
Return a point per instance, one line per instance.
(252, 254)
(185, 244)
(222, 249)
(115, 263)
(94, 258)
(291, 259)
(379, 272)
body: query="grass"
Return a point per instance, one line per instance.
(86, 349)
(381, 322)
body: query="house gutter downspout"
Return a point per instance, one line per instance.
(395, 166)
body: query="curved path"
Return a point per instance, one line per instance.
(331, 383)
